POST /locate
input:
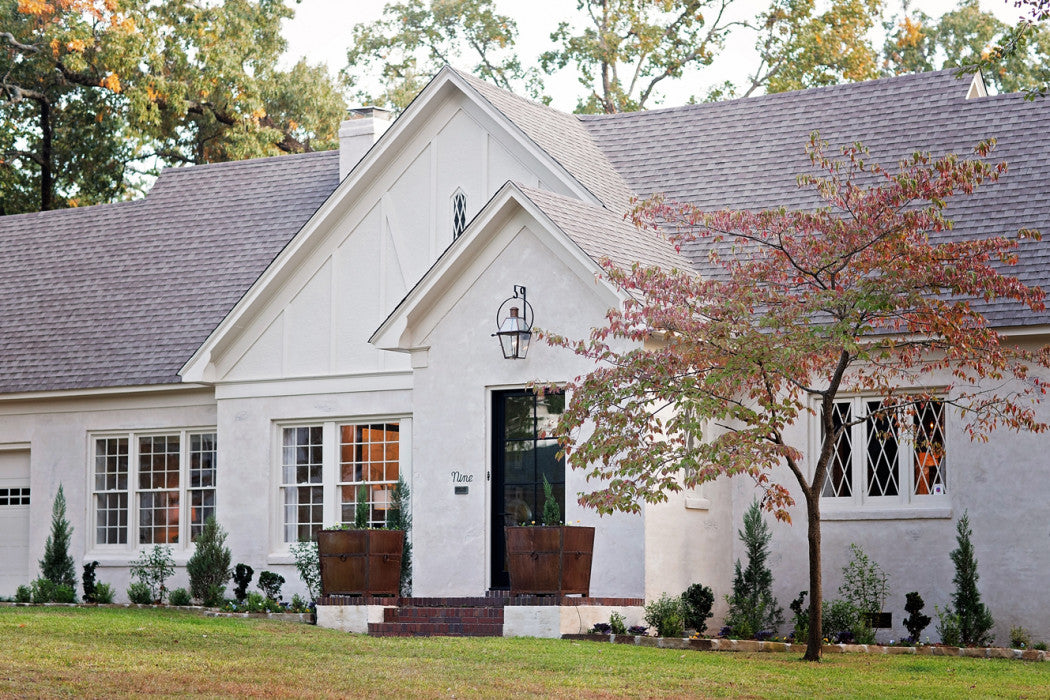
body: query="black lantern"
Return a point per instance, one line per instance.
(515, 330)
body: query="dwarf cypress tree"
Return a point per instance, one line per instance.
(752, 606)
(975, 621)
(399, 517)
(57, 565)
(209, 567)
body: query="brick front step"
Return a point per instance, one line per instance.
(435, 621)
(435, 629)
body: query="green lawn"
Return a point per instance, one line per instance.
(113, 652)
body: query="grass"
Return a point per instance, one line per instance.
(107, 652)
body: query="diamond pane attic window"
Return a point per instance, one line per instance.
(459, 213)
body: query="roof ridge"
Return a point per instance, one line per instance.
(93, 208)
(284, 157)
(786, 95)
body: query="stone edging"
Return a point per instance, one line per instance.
(305, 618)
(754, 646)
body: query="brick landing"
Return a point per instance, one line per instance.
(493, 615)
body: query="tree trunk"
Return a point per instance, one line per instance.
(815, 638)
(47, 181)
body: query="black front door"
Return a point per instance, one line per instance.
(522, 454)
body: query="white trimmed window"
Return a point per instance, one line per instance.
(326, 466)
(878, 463)
(153, 488)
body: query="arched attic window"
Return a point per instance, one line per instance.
(459, 213)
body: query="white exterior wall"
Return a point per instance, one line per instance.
(1001, 483)
(303, 355)
(452, 405)
(56, 433)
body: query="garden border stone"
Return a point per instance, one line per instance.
(752, 646)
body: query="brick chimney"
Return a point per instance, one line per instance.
(358, 133)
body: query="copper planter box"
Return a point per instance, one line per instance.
(360, 562)
(550, 560)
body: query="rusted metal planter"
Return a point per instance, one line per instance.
(360, 562)
(550, 560)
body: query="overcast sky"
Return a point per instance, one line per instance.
(321, 30)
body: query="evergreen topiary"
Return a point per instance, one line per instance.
(209, 567)
(697, 601)
(974, 619)
(242, 576)
(362, 513)
(89, 582)
(752, 607)
(551, 512)
(399, 517)
(270, 585)
(916, 622)
(57, 566)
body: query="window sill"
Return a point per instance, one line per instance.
(925, 513)
(119, 559)
(280, 558)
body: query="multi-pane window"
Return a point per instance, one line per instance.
(326, 466)
(153, 488)
(887, 458)
(369, 459)
(302, 467)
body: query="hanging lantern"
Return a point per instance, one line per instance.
(515, 330)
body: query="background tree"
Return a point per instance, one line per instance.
(626, 48)
(95, 93)
(799, 48)
(969, 36)
(862, 294)
(57, 565)
(415, 38)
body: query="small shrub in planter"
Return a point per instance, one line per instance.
(299, 605)
(617, 624)
(140, 593)
(24, 594)
(103, 593)
(270, 585)
(916, 622)
(864, 586)
(152, 569)
(180, 597)
(697, 601)
(242, 576)
(43, 590)
(209, 566)
(1039, 646)
(665, 615)
(1020, 638)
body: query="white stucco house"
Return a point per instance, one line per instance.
(256, 340)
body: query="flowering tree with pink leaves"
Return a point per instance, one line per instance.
(868, 293)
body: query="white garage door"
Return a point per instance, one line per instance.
(14, 521)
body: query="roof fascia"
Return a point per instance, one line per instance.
(102, 392)
(198, 369)
(509, 200)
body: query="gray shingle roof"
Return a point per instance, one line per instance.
(564, 138)
(600, 233)
(123, 294)
(745, 154)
